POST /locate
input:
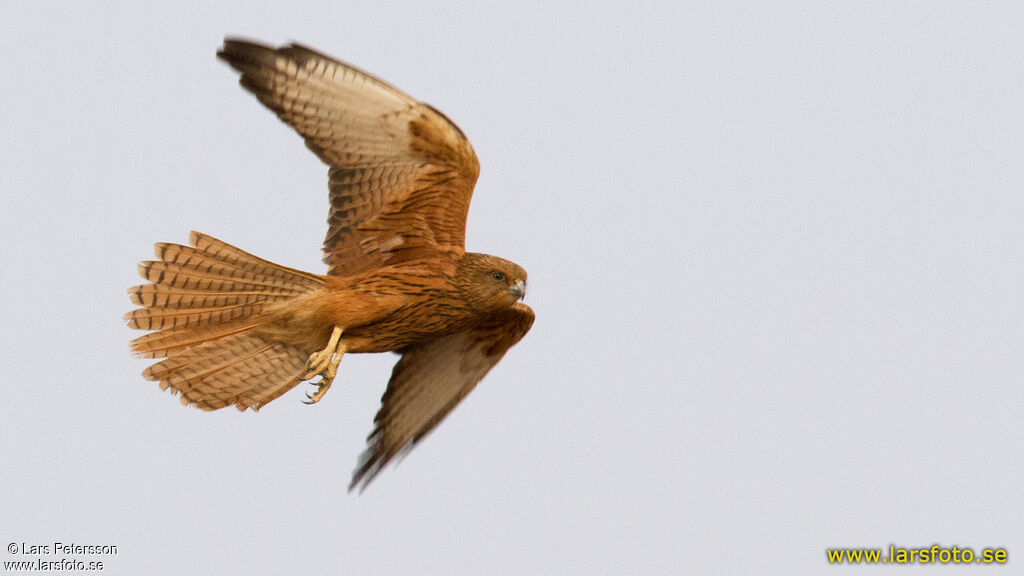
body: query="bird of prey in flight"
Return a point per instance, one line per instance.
(234, 329)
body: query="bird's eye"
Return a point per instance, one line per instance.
(498, 276)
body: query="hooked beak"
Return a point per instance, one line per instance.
(518, 289)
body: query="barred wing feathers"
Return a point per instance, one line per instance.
(430, 380)
(401, 173)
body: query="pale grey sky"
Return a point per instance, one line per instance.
(775, 255)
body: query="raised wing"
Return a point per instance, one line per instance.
(430, 380)
(401, 173)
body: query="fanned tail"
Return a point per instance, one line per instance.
(206, 303)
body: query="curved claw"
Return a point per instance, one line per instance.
(324, 363)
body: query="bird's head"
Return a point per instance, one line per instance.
(490, 283)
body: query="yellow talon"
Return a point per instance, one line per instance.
(324, 363)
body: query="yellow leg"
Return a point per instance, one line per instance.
(324, 364)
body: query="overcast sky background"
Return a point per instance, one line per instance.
(775, 256)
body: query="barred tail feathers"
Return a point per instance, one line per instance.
(206, 302)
